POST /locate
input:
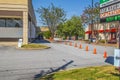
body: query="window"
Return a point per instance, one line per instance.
(10, 22)
(2, 22)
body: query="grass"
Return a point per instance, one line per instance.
(34, 46)
(91, 73)
(102, 44)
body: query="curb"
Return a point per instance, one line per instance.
(32, 48)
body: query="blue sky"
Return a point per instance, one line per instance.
(71, 7)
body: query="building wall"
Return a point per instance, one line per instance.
(11, 32)
(103, 26)
(32, 22)
(19, 9)
(14, 2)
(14, 5)
(31, 11)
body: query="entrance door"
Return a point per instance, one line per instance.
(113, 36)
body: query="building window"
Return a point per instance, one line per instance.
(10, 22)
(2, 22)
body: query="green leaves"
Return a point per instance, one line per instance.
(52, 16)
(72, 27)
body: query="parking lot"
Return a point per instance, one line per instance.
(18, 64)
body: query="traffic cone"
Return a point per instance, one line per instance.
(65, 43)
(86, 48)
(105, 54)
(70, 43)
(75, 44)
(80, 46)
(94, 51)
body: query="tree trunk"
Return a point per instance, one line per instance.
(76, 37)
(69, 37)
(65, 36)
(52, 36)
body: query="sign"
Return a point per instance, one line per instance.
(111, 13)
(117, 57)
(104, 3)
(113, 18)
(109, 10)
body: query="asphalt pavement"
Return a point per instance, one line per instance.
(18, 64)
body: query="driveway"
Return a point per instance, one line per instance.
(30, 64)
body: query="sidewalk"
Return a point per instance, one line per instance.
(8, 43)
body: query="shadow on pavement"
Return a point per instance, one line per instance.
(110, 60)
(51, 70)
(40, 41)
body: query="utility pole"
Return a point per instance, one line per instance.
(119, 35)
(92, 25)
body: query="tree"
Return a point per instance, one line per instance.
(66, 29)
(90, 16)
(78, 28)
(52, 16)
(72, 27)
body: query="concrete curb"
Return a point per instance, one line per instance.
(32, 48)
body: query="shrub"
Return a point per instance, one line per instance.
(102, 41)
(47, 34)
(27, 46)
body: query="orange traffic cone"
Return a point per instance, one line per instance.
(80, 46)
(75, 44)
(86, 48)
(65, 43)
(94, 51)
(70, 43)
(105, 54)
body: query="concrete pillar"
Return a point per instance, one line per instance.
(25, 27)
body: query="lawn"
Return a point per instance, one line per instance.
(91, 73)
(34, 46)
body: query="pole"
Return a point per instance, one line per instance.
(119, 35)
(92, 22)
(119, 45)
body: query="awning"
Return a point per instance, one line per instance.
(113, 30)
(88, 32)
(101, 31)
(110, 30)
